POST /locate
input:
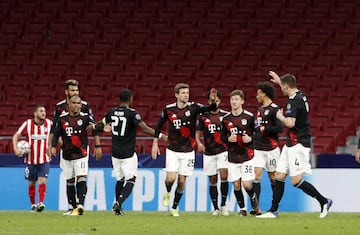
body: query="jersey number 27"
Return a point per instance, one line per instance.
(118, 123)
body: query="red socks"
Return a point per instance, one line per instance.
(32, 194)
(42, 192)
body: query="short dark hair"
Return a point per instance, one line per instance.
(125, 95)
(38, 106)
(180, 86)
(71, 82)
(217, 93)
(267, 88)
(289, 80)
(237, 92)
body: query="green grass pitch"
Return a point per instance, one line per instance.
(105, 222)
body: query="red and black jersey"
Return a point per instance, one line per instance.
(72, 130)
(266, 117)
(62, 107)
(210, 125)
(124, 121)
(182, 125)
(239, 125)
(297, 106)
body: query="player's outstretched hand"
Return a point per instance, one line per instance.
(274, 77)
(213, 94)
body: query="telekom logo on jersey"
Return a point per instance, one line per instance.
(212, 128)
(177, 123)
(69, 131)
(235, 131)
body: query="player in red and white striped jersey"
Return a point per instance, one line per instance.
(37, 161)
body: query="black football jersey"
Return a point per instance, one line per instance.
(266, 117)
(210, 125)
(124, 121)
(62, 107)
(182, 125)
(239, 125)
(72, 130)
(297, 106)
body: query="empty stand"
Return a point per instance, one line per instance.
(149, 46)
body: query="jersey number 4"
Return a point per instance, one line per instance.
(118, 123)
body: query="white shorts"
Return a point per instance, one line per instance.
(182, 163)
(74, 168)
(267, 160)
(212, 163)
(125, 168)
(244, 170)
(294, 160)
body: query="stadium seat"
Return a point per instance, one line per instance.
(18, 55)
(163, 66)
(188, 66)
(185, 74)
(146, 56)
(173, 55)
(215, 65)
(70, 13)
(59, 66)
(204, 77)
(185, 24)
(112, 67)
(85, 66)
(155, 44)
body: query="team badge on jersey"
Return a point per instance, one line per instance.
(80, 122)
(243, 122)
(137, 117)
(187, 113)
(266, 112)
(288, 106)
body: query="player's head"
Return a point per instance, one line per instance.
(237, 99)
(71, 88)
(182, 92)
(265, 90)
(126, 96)
(288, 82)
(39, 112)
(217, 100)
(75, 104)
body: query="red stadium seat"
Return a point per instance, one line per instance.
(155, 44)
(182, 45)
(193, 14)
(53, 46)
(182, 76)
(18, 55)
(43, 56)
(188, 67)
(33, 66)
(111, 67)
(185, 24)
(59, 66)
